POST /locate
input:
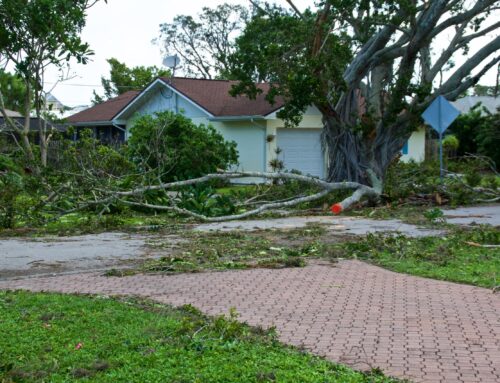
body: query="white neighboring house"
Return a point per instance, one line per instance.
(252, 124)
(59, 109)
(465, 104)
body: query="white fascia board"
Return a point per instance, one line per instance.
(272, 115)
(237, 118)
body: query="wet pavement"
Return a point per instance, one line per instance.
(58, 255)
(480, 215)
(335, 225)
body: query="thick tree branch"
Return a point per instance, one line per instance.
(295, 9)
(465, 70)
(127, 197)
(480, 7)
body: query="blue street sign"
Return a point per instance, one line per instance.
(440, 114)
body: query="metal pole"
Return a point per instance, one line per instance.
(441, 170)
(440, 141)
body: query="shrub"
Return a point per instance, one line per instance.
(174, 147)
(11, 186)
(488, 139)
(465, 128)
(91, 155)
(478, 132)
(203, 199)
(451, 143)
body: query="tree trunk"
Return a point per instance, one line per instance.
(27, 123)
(345, 153)
(357, 156)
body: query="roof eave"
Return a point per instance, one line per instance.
(89, 123)
(237, 118)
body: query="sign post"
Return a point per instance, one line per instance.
(439, 115)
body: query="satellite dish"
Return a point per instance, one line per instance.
(171, 61)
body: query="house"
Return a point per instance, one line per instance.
(19, 120)
(54, 105)
(252, 124)
(100, 118)
(465, 104)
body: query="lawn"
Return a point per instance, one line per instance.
(60, 338)
(461, 256)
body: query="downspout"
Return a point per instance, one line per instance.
(123, 130)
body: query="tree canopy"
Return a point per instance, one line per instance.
(34, 35)
(204, 43)
(14, 91)
(369, 66)
(122, 79)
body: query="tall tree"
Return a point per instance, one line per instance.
(34, 35)
(122, 79)
(369, 66)
(13, 89)
(204, 43)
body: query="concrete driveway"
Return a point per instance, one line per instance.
(58, 255)
(480, 215)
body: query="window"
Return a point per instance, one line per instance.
(405, 148)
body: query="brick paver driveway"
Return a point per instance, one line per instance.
(354, 313)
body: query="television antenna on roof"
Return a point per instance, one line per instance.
(171, 62)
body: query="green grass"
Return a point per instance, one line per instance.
(63, 338)
(455, 257)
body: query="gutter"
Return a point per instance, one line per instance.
(90, 123)
(94, 123)
(237, 118)
(119, 128)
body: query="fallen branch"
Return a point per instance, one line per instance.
(360, 191)
(475, 244)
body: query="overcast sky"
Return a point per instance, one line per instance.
(124, 29)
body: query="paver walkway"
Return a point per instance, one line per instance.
(354, 313)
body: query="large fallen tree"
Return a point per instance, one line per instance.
(136, 197)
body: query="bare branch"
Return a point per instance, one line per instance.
(231, 175)
(295, 9)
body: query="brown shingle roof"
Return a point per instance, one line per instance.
(213, 96)
(104, 111)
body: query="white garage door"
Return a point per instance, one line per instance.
(301, 150)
